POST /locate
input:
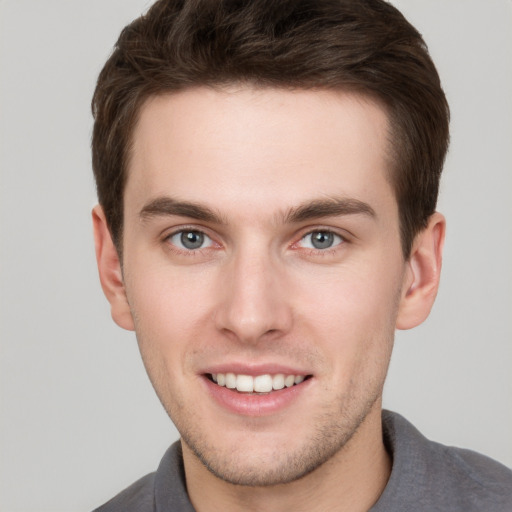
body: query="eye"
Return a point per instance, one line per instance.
(190, 240)
(321, 240)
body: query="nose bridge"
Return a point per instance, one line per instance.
(253, 304)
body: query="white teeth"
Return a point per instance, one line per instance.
(263, 383)
(278, 381)
(245, 383)
(259, 384)
(289, 381)
(230, 380)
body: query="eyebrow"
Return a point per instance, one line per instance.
(167, 206)
(330, 207)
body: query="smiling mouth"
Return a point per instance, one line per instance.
(259, 384)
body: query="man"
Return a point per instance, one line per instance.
(267, 175)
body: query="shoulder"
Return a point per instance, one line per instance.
(477, 482)
(138, 497)
(430, 476)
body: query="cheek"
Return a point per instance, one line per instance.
(164, 318)
(169, 310)
(353, 313)
(168, 300)
(349, 298)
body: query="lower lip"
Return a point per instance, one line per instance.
(253, 404)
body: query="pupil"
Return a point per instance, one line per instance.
(192, 239)
(322, 240)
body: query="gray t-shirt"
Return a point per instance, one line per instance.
(425, 477)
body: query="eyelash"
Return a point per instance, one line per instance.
(320, 253)
(310, 251)
(325, 232)
(188, 252)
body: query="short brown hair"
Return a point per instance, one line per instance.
(362, 45)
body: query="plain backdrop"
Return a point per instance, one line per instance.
(79, 419)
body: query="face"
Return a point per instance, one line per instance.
(263, 271)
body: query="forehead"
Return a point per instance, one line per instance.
(241, 147)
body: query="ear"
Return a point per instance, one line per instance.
(421, 278)
(109, 268)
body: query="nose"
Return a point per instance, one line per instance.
(254, 300)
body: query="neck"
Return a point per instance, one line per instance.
(353, 479)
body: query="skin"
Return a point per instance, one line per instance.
(253, 168)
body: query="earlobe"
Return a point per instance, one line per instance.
(109, 268)
(421, 278)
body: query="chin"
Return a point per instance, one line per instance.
(263, 470)
(262, 459)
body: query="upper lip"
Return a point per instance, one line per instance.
(255, 369)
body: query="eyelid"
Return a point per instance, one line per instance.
(345, 235)
(205, 239)
(336, 235)
(168, 234)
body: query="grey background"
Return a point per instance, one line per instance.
(79, 420)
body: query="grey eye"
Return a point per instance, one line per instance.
(190, 240)
(321, 240)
